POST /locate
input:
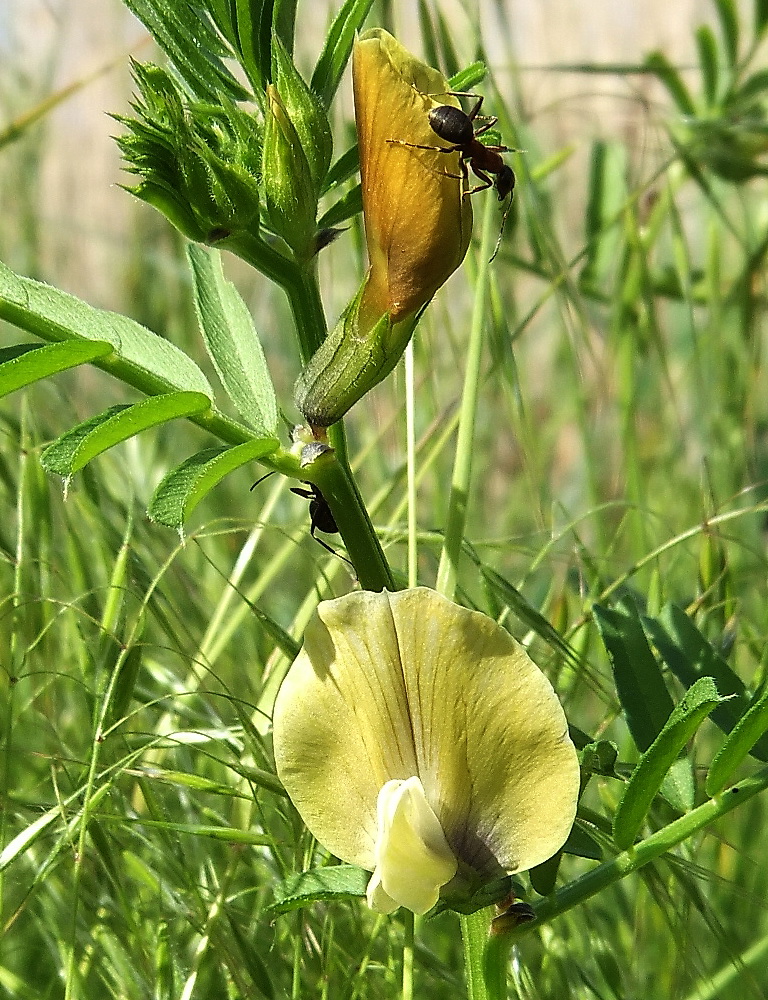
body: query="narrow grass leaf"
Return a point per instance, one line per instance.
(338, 46)
(342, 169)
(249, 958)
(755, 85)
(728, 17)
(738, 744)
(469, 77)
(346, 207)
(654, 764)
(73, 450)
(23, 364)
(708, 61)
(334, 882)
(528, 615)
(689, 655)
(186, 485)
(639, 682)
(607, 195)
(147, 359)
(232, 341)
(194, 781)
(231, 834)
(761, 16)
(173, 25)
(125, 683)
(658, 63)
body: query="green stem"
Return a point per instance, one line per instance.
(407, 955)
(299, 282)
(462, 469)
(485, 958)
(647, 850)
(484, 961)
(340, 490)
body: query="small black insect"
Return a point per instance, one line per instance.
(320, 514)
(458, 128)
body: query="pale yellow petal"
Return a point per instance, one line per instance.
(413, 859)
(490, 737)
(341, 724)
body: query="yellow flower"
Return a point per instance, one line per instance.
(417, 224)
(419, 741)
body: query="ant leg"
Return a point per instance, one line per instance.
(306, 494)
(497, 149)
(328, 548)
(490, 122)
(272, 473)
(501, 231)
(487, 181)
(475, 111)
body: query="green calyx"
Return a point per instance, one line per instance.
(349, 363)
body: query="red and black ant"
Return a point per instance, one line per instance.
(457, 127)
(320, 514)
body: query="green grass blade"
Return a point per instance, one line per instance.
(639, 682)
(728, 18)
(658, 63)
(708, 62)
(652, 767)
(338, 46)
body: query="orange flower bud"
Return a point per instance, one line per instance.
(417, 224)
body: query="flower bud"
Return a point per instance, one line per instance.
(306, 111)
(290, 200)
(418, 225)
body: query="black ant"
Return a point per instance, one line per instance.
(457, 127)
(320, 514)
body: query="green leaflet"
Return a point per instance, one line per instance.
(689, 655)
(186, 485)
(639, 683)
(24, 364)
(334, 882)
(142, 357)
(232, 341)
(69, 453)
(741, 740)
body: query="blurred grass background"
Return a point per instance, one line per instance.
(624, 409)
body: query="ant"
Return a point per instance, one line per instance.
(458, 128)
(320, 514)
